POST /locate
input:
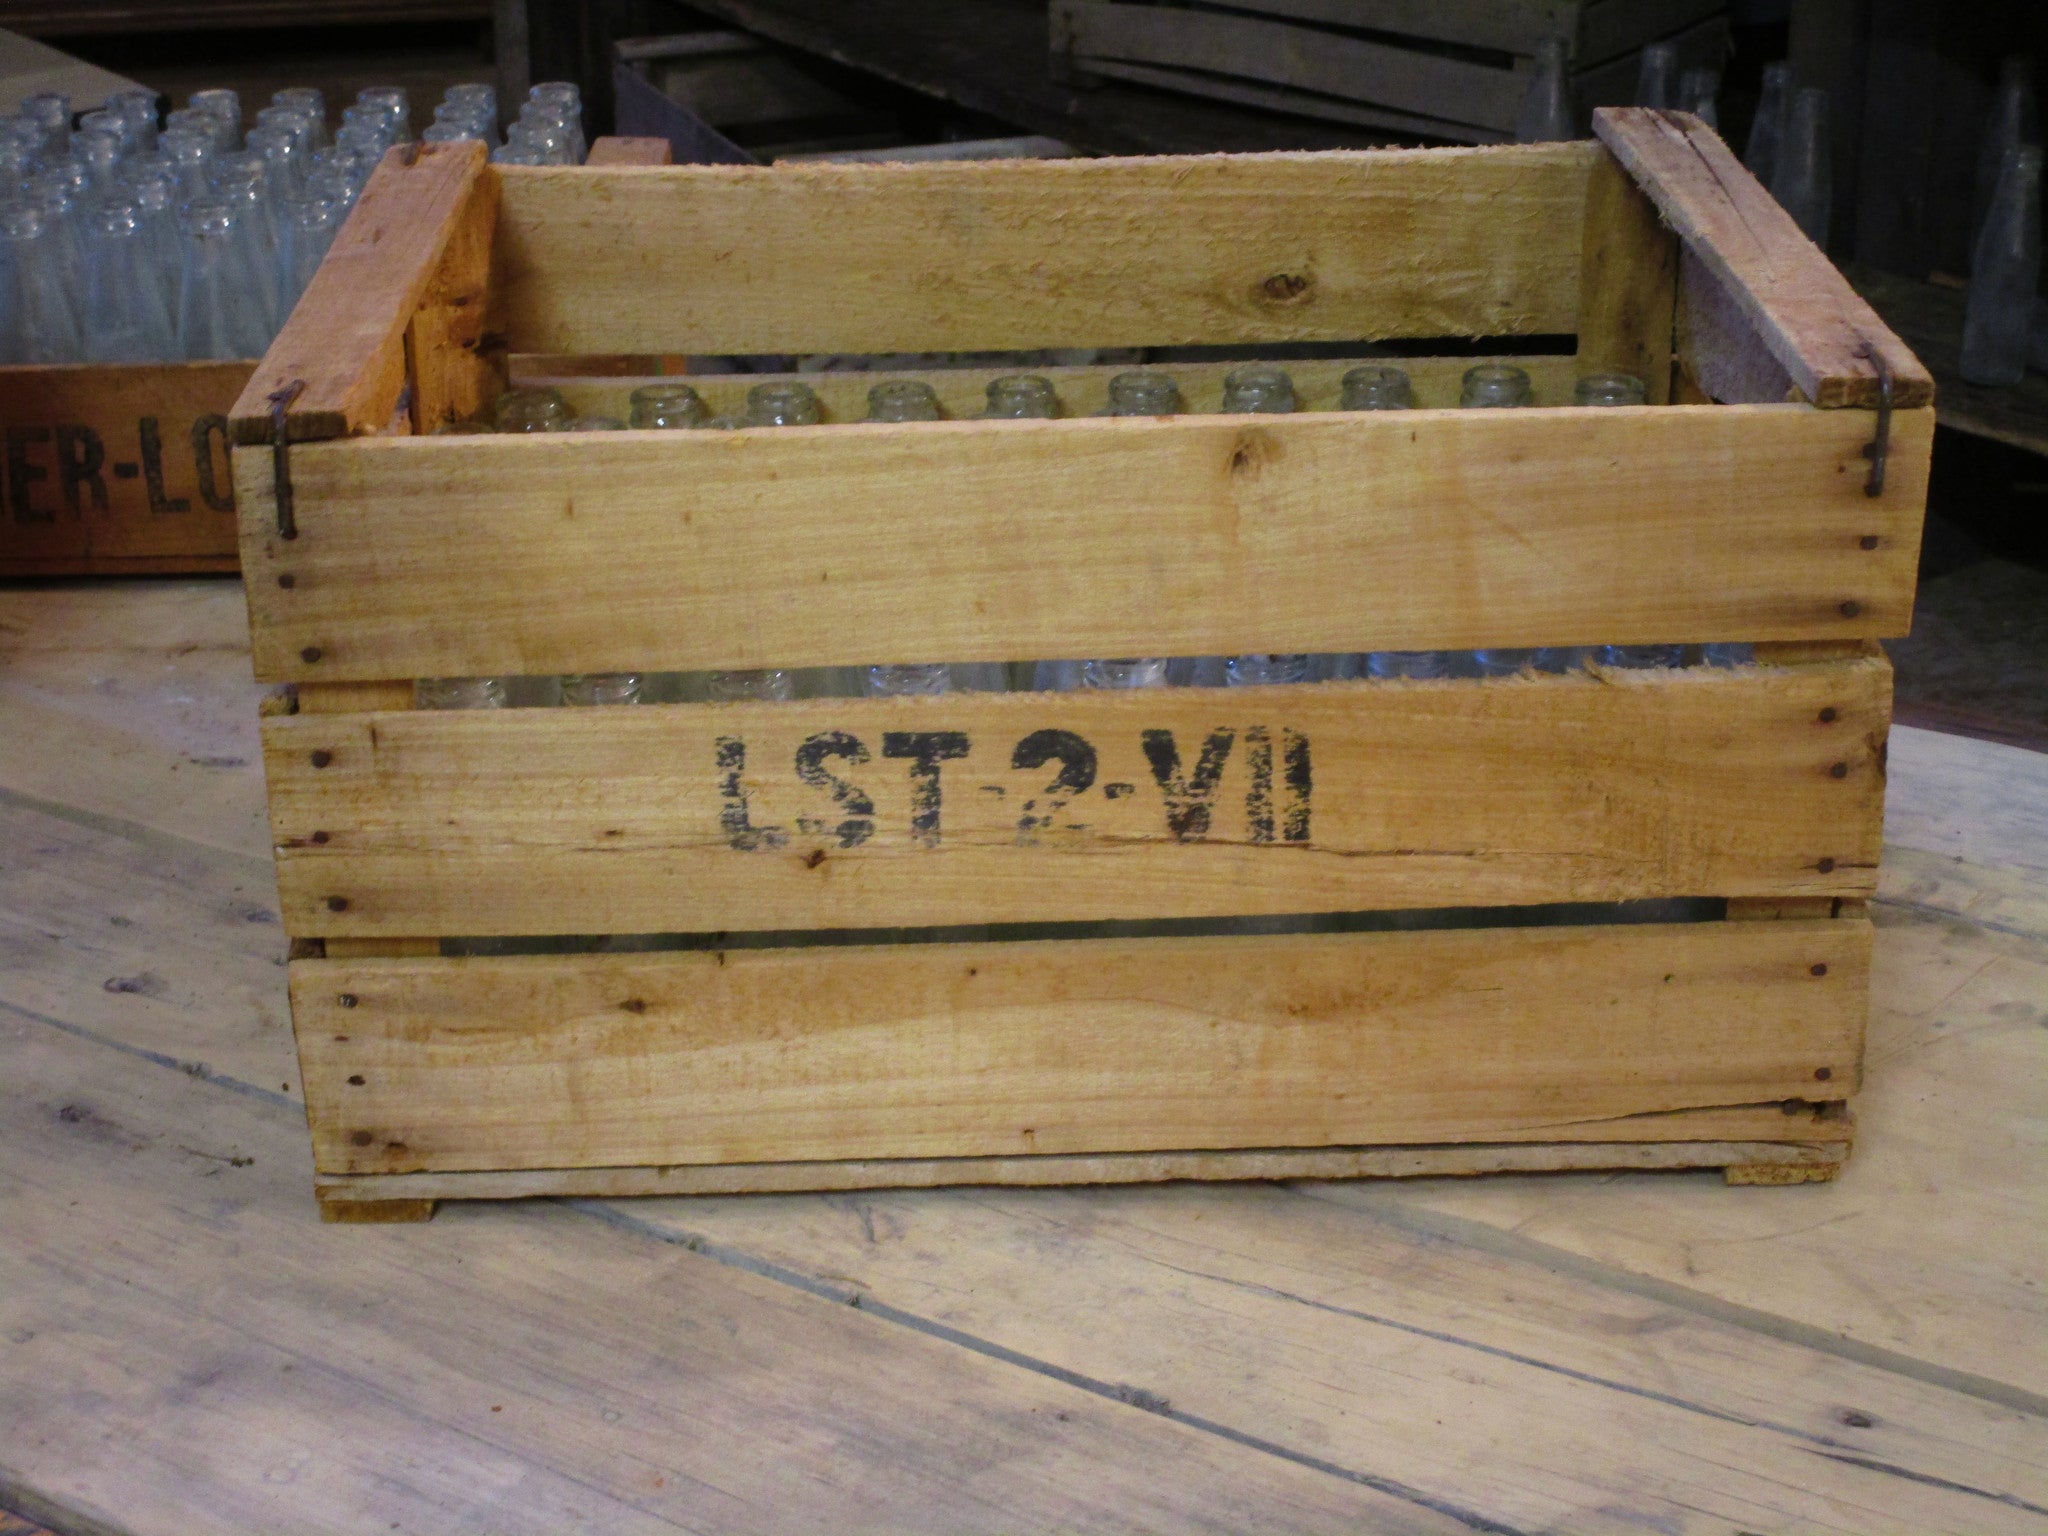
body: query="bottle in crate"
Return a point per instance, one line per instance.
(906, 400)
(768, 405)
(1502, 386)
(1138, 393)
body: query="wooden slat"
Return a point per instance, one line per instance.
(1089, 1046)
(988, 541)
(455, 373)
(1628, 300)
(613, 150)
(1326, 63)
(346, 337)
(113, 469)
(1054, 253)
(341, 1192)
(1718, 346)
(1189, 803)
(1809, 317)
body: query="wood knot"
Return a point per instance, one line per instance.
(633, 1005)
(360, 1138)
(1253, 450)
(1286, 287)
(814, 858)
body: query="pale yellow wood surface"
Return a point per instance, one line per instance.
(1804, 311)
(1103, 1045)
(960, 256)
(1646, 1352)
(989, 541)
(1341, 797)
(1629, 297)
(346, 338)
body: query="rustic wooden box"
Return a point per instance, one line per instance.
(117, 468)
(1745, 511)
(1452, 69)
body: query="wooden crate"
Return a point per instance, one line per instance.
(1737, 507)
(1451, 69)
(118, 469)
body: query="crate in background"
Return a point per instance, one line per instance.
(1445, 1032)
(1450, 69)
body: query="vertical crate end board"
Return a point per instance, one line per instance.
(117, 469)
(1395, 1050)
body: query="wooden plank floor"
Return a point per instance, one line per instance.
(183, 1346)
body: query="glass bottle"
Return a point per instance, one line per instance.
(597, 424)
(1767, 128)
(51, 112)
(2014, 120)
(2005, 271)
(392, 102)
(1546, 115)
(1137, 393)
(153, 190)
(242, 180)
(99, 153)
(309, 101)
(191, 156)
(1699, 91)
(125, 317)
(221, 311)
(1021, 396)
(136, 108)
(1608, 389)
(906, 400)
(768, 405)
(459, 693)
(1377, 387)
(479, 101)
(1494, 386)
(1500, 386)
(586, 689)
(1657, 76)
(45, 319)
(296, 126)
(667, 406)
(562, 102)
(532, 410)
(1804, 182)
(1383, 387)
(1260, 389)
(225, 108)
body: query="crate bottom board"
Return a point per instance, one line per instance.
(413, 1196)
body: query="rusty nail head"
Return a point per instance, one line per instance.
(1823, 1074)
(287, 580)
(1826, 866)
(337, 903)
(347, 1000)
(360, 1138)
(1821, 969)
(1839, 771)
(1827, 715)
(1850, 609)
(355, 1080)
(310, 654)
(318, 837)
(1868, 541)
(322, 757)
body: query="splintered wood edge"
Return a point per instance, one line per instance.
(614, 149)
(345, 339)
(1816, 325)
(1749, 1162)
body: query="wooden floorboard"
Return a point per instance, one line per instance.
(184, 1346)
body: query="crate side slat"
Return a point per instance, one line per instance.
(1084, 1046)
(117, 468)
(1048, 807)
(1805, 312)
(1778, 1148)
(346, 336)
(1628, 303)
(993, 541)
(1137, 251)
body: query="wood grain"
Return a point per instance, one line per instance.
(1342, 246)
(1184, 803)
(346, 337)
(1546, 1155)
(988, 541)
(117, 469)
(1806, 313)
(1628, 299)
(455, 372)
(1108, 1045)
(613, 150)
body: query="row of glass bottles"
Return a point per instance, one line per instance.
(1256, 389)
(123, 239)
